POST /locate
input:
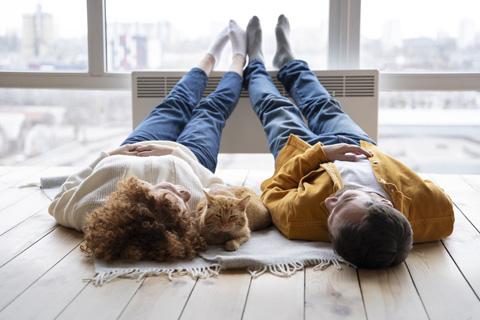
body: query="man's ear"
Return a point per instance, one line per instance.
(243, 203)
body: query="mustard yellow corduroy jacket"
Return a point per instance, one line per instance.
(304, 178)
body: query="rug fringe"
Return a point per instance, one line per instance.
(290, 268)
(140, 273)
(278, 269)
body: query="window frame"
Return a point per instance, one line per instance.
(343, 53)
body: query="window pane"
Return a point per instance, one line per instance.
(56, 127)
(43, 35)
(152, 35)
(424, 35)
(436, 132)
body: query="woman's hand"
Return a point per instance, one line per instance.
(147, 150)
(344, 152)
(142, 150)
(127, 149)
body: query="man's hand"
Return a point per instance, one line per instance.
(344, 152)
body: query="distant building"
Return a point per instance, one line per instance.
(37, 36)
(137, 45)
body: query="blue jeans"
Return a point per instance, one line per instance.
(189, 120)
(326, 122)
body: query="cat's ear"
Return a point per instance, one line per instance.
(243, 203)
(208, 196)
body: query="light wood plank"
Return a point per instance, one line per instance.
(21, 272)
(18, 175)
(226, 297)
(12, 196)
(444, 291)
(464, 243)
(6, 169)
(33, 203)
(24, 235)
(390, 294)
(473, 180)
(469, 199)
(272, 297)
(46, 298)
(333, 294)
(25, 202)
(464, 247)
(465, 196)
(160, 296)
(105, 302)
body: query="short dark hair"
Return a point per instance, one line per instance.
(383, 238)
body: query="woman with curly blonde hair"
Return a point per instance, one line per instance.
(135, 202)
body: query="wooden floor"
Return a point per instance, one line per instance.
(42, 271)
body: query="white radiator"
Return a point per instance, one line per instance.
(357, 91)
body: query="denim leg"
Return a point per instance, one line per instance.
(168, 119)
(203, 132)
(324, 114)
(278, 115)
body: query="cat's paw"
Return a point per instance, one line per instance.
(231, 245)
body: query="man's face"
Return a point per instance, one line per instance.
(349, 206)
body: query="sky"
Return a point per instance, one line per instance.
(412, 17)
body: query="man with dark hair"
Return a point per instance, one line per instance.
(331, 182)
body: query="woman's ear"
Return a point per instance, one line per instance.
(243, 203)
(208, 196)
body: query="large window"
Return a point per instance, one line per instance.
(153, 35)
(432, 131)
(427, 35)
(60, 127)
(63, 61)
(43, 35)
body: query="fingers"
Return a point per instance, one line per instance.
(356, 150)
(145, 153)
(347, 157)
(146, 147)
(129, 147)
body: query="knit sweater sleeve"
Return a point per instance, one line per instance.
(57, 207)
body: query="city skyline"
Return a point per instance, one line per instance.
(425, 18)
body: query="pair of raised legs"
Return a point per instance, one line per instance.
(187, 118)
(197, 123)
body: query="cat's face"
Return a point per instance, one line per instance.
(222, 214)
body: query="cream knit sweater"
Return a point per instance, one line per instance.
(89, 188)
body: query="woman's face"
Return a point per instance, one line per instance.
(175, 193)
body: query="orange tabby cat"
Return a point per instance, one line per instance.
(228, 214)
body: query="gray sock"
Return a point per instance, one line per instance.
(254, 39)
(284, 53)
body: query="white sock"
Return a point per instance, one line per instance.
(217, 46)
(238, 38)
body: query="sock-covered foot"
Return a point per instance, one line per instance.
(254, 39)
(218, 44)
(284, 53)
(238, 38)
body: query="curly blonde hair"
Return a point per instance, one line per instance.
(133, 224)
